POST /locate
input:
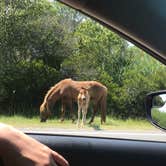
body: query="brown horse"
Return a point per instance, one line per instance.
(67, 90)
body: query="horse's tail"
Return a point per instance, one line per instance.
(103, 105)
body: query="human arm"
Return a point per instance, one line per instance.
(16, 148)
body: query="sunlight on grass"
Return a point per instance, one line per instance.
(111, 124)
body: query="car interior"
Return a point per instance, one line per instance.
(143, 23)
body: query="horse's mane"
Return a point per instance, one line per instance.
(50, 92)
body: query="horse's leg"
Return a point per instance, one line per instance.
(84, 112)
(94, 112)
(63, 109)
(103, 109)
(83, 117)
(79, 112)
(71, 111)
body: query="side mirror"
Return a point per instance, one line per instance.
(156, 108)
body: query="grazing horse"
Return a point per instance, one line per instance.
(67, 91)
(83, 103)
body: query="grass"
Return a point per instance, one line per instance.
(159, 117)
(111, 124)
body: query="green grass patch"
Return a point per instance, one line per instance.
(159, 117)
(111, 124)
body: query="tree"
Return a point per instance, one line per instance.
(30, 30)
(144, 75)
(32, 48)
(68, 17)
(98, 50)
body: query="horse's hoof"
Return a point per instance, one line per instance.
(73, 120)
(61, 120)
(42, 120)
(78, 125)
(103, 122)
(90, 122)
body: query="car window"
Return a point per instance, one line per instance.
(44, 43)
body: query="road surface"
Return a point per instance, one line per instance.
(154, 135)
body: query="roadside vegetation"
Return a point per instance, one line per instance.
(159, 117)
(43, 42)
(113, 124)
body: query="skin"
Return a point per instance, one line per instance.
(16, 148)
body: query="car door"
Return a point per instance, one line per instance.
(105, 151)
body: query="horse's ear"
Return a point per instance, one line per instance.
(85, 88)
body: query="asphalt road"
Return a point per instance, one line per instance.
(155, 135)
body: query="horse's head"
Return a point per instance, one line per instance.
(83, 95)
(44, 113)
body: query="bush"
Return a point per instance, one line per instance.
(129, 98)
(26, 83)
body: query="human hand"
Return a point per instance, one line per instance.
(16, 148)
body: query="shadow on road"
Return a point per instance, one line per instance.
(95, 126)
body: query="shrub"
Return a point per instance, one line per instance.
(26, 83)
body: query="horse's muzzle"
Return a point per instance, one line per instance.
(42, 120)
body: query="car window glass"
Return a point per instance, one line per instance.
(43, 43)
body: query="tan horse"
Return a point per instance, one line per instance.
(83, 104)
(67, 90)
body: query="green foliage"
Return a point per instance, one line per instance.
(42, 43)
(159, 117)
(26, 83)
(80, 67)
(98, 50)
(30, 30)
(68, 17)
(158, 101)
(143, 76)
